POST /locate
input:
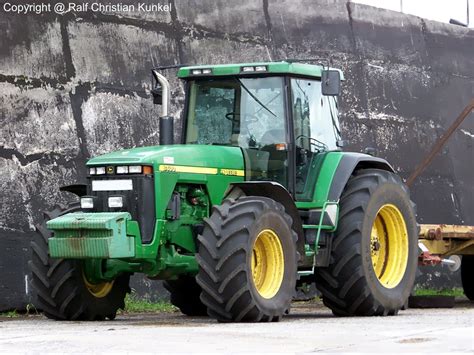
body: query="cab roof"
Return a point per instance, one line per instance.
(283, 67)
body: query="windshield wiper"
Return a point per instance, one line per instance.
(254, 97)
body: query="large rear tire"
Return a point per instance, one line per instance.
(185, 294)
(247, 261)
(63, 292)
(374, 256)
(467, 275)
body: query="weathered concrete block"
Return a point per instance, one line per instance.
(37, 121)
(388, 35)
(15, 288)
(31, 46)
(450, 49)
(224, 17)
(143, 10)
(309, 28)
(118, 54)
(114, 122)
(30, 188)
(220, 51)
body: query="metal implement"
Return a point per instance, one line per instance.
(438, 241)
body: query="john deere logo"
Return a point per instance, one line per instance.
(110, 170)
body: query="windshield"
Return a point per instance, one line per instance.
(248, 113)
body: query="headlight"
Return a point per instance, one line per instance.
(87, 202)
(115, 202)
(135, 169)
(100, 170)
(122, 169)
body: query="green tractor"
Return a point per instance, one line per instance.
(256, 199)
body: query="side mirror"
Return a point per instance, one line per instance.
(331, 82)
(370, 151)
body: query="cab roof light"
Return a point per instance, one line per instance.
(205, 71)
(247, 69)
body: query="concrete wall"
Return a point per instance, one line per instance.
(77, 85)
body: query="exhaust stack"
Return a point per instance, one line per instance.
(161, 96)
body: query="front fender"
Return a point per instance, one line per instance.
(278, 193)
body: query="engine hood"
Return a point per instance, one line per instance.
(190, 155)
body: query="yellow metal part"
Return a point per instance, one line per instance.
(268, 263)
(445, 231)
(188, 169)
(446, 239)
(232, 172)
(446, 247)
(99, 290)
(389, 246)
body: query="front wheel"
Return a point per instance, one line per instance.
(374, 257)
(63, 291)
(247, 261)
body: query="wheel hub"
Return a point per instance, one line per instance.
(99, 290)
(267, 263)
(389, 246)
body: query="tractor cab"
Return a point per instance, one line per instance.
(282, 116)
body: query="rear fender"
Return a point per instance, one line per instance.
(350, 163)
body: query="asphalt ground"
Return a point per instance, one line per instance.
(308, 328)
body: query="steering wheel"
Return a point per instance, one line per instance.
(250, 118)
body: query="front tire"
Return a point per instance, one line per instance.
(247, 261)
(374, 257)
(467, 275)
(63, 292)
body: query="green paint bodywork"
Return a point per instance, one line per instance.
(289, 68)
(110, 243)
(171, 251)
(99, 235)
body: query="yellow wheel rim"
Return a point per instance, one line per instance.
(99, 290)
(389, 246)
(268, 263)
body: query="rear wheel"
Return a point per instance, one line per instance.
(63, 290)
(184, 294)
(467, 275)
(247, 261)
(374, 257)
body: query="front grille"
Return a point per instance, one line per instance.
(139, 202)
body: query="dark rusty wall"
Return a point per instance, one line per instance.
(75, 86)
